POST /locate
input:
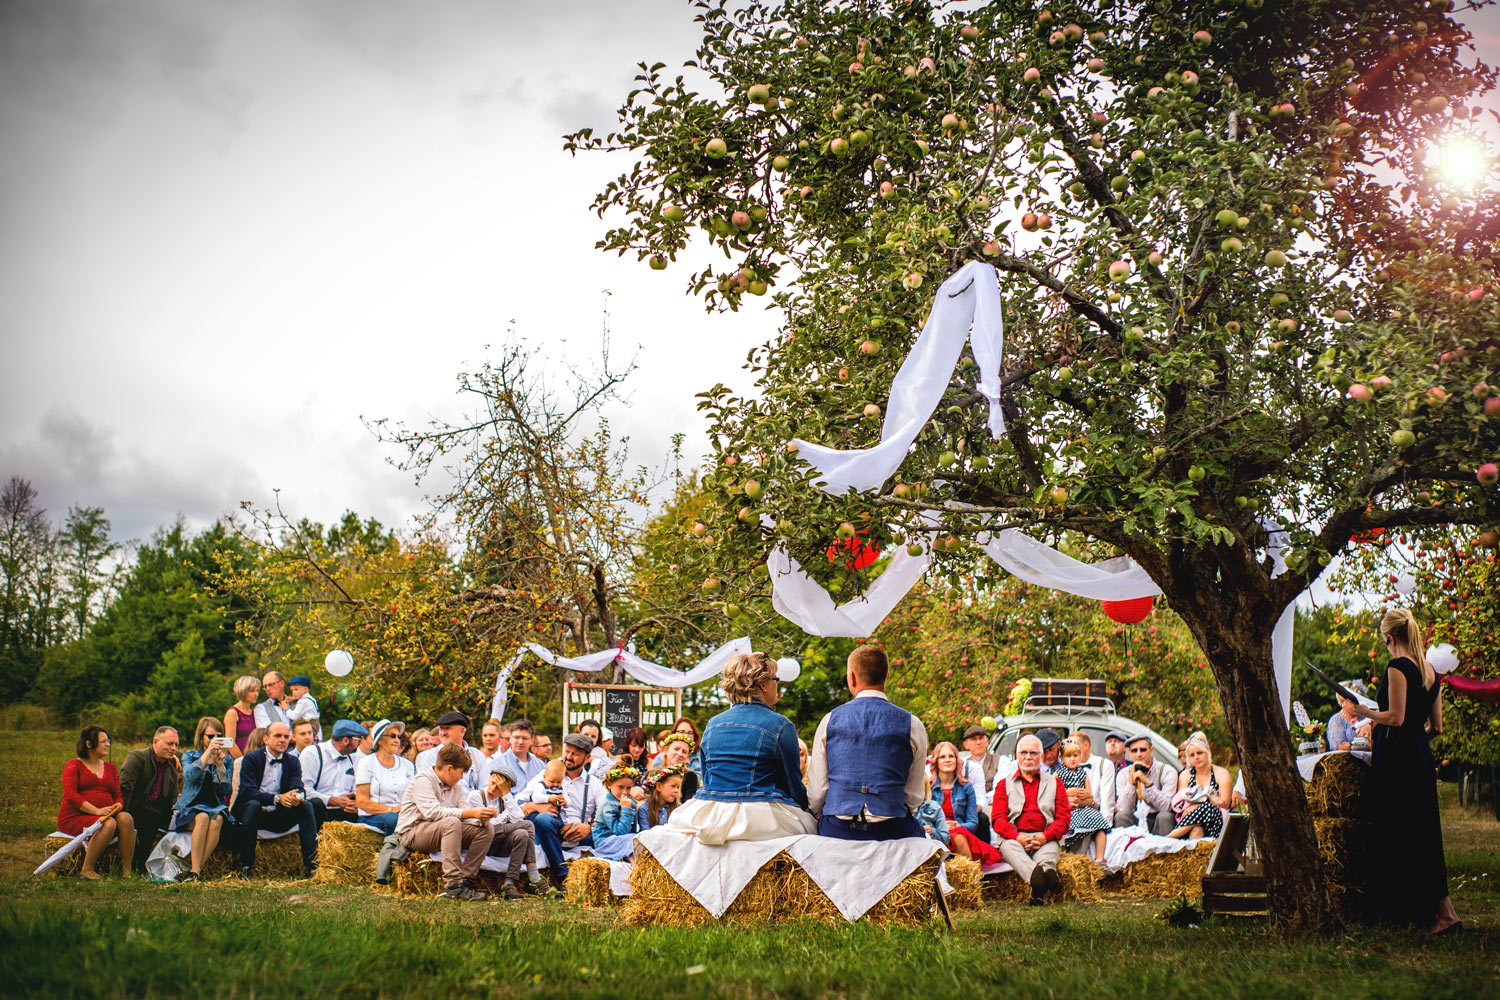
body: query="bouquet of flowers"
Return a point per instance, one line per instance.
(1019, 692)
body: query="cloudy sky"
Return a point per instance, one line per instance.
(228, 231)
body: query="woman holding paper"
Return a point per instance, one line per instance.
(1409, 712)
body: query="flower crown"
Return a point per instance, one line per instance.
(620, 771)
(692, 744)
(658, 776)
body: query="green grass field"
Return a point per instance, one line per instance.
(132, 938)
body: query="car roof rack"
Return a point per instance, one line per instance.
(1068, 696)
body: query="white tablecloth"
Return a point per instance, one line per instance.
(1307, 762)
(855, 875)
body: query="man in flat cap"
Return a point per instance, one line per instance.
(451, 729)
(1051, 744)
(328, 773)
(1146, 780)
(566, 828)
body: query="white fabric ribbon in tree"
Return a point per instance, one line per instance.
(967, 308)
(645, 671)
(803, 601)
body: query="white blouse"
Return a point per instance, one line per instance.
(387, 784)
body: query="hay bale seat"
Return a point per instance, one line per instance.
(1162, 876)
(1341, 798)
(346, 853)
(1077, 872)
(588, 883)
(277, 858)
(781, 890)
(73, 863)
(964, 874)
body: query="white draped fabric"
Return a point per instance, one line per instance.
(803, 601)
(1118, 579)
(653, 674)
(855, 875)
(967, 308)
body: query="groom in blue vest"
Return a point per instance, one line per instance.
(866, 770)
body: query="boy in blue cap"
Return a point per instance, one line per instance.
(301, 704)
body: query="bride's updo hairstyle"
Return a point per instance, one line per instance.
(745, 674)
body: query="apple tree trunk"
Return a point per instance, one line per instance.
(1238, 647)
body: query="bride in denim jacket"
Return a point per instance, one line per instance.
(752, 777)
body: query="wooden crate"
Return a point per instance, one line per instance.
(1237, 896)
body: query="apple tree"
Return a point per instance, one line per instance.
(1227, 278)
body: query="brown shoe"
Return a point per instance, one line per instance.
(512, 891)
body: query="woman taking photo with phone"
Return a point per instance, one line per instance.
(1410, 711)
(202, 807)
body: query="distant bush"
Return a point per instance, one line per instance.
(26, 717)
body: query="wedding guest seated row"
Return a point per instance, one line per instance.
(565, 815)
(514, 838)
(328, 773)
(380, 779)
(1147, 780)
(150, 780)
(270, 797)
(201, 807)
(435, 816)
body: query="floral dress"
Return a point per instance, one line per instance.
(1086, 819)
(1208, 815)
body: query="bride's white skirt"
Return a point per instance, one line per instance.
(715, 823)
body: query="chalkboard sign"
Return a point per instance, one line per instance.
(621, 706)
(622, 711)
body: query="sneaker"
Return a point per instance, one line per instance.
(243, 875)
(188, 876)
(462, 892)
(310, 872)
(512, 891)
(1038, 885)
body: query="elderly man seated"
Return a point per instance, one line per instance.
(1146, 780)
(1031, 816)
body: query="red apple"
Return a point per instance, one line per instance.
(1437, 395)
(740, 220)
(1202, 38)
(1119, 270)
(913, 280)
(1380, 382)
(1095, 64)
(887, 189)
(869, 347)
(1029, 222)
(1492, 406)
(1360, 393)
(1488, 474)
(991, 249)
(1044, 221)
(968, 33)
(927, 64)
(1032, 75)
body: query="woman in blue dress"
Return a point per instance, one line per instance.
(617, 820)
(201, 808)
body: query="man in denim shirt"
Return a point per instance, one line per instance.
(866, 770)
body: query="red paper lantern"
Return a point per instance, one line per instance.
(854, 551)
(1127, 612)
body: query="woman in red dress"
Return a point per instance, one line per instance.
(91, 791)
(955, 795)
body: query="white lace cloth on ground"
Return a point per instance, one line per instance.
(966, 308)
(855, 875)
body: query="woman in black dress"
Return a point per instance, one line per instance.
(1410, 711)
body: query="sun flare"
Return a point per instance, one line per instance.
(1460, 161)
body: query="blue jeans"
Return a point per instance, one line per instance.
(253, 819)
(384, 822)
(548, 830)
(853, 829)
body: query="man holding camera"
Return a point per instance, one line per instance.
(1147, 780)
(270, 798)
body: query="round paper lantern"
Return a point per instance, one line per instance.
(1405, 583)
(1443, 658)
(1127, 612)
(338, 662)
(787, 670)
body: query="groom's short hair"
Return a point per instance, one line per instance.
(869, 665)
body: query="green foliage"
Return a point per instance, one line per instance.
(183, 688)
(955, 655)
(69, 678)
(165, 595)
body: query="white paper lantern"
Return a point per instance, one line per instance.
(787, 670)
(338, 662)
(1443, 657)
(1405, 584)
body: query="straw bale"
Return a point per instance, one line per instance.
(346, 853)
(73, 863)
(1077, 872)
(588, 882)
(1162, 876)
(780, 890)
(1349, 853)
(1339, 786)
(279, 858)
(420, 875)
(964, 875)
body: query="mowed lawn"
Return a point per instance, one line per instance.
(132, 938)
